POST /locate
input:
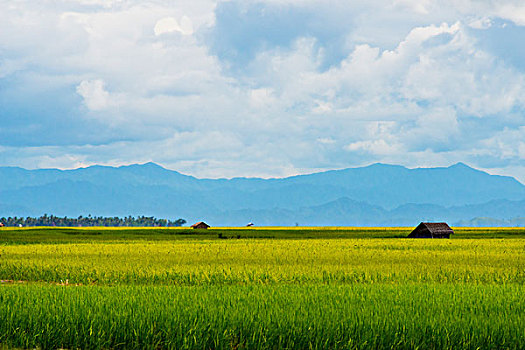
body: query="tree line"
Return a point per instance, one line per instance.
(88, 221)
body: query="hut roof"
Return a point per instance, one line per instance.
(200, 224)
(437, 227)
(431, 230)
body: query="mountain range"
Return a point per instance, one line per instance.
(375, 195)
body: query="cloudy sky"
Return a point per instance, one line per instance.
(263, 88)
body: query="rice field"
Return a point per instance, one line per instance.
(265, 288)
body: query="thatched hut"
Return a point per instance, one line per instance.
(431, 230)
(201, 225)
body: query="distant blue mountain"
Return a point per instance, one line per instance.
(378, 194)
(491, 222)
(347, 212)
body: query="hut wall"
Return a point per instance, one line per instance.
(420, 232)
(441, 235)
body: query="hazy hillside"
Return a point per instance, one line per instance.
(378, 194)
(347, 212)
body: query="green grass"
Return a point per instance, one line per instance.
(412, 316)
(103, 234)
(55, 235)
(351, 288)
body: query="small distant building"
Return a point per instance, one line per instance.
(249, 224)
(431, 230)
(201, 225)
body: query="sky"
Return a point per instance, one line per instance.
(263, 88)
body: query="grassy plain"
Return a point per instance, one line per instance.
(32, 235)
(261, 288)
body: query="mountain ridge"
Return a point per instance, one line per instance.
(150, 189)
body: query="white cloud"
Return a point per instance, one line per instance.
(419, 6)
(326, 140)
(481, 23)
(507, 144)
(322, 107)
(170, 25)
(408, 85)
(512, 11)
(94, 94)
(378, 147)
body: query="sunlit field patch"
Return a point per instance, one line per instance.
(195, 262)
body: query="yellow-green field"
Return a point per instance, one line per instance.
(261, 288)
(198, 262)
